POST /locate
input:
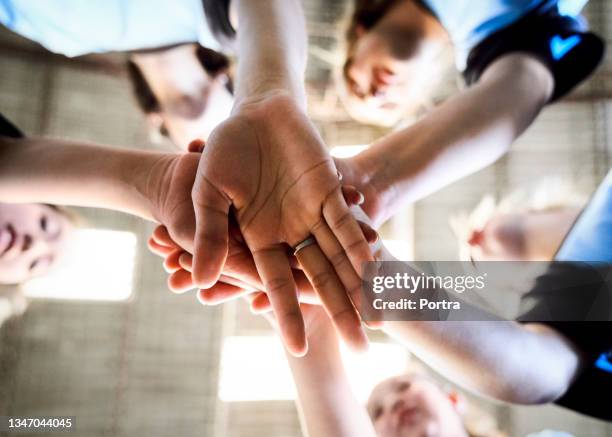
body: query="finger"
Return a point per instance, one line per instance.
(186, 261)
(375, 325)
(338, 258)
(159, 249)
(221, 293)
(345, 228)
(171, 262)
(260, 304)
(263, 305)
(277, 278)
(306, 294)
(180, 281)
(162, 236)
(293, 262)
(352, 196)
(334, 298)
(369, 233)
(211, 236)
(196, 146)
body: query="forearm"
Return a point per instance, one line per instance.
(272, 46)
(508, 361)
(526, 364)
(326, 401)
(464, 134)
(37, 170)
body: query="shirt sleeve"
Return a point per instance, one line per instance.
(575, 299)
(8, 129)
(560, 42)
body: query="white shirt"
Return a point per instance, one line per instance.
(78, 27)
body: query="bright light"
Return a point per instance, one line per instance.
(98, 265)
(400, 249)
(346, 151)
(254, 368)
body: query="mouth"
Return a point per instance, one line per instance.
(384, 77)
(8, 238)
(408, 416)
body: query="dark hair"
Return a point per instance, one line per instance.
(213, 62)
(218, 17)
(366, 15)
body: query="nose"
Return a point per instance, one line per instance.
(476, 238)
(27, 243)
(397, 405)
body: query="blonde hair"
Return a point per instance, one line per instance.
(548, 194)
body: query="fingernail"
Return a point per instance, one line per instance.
(339, 175)
(361, 198)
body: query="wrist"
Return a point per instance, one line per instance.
(375, 174)
(145, 180)
(266, 100)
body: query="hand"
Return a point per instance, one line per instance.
(239, 275)
(270, 167)
(360, 171)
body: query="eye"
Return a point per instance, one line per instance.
(44, 223)
(402, 386)
(377, 413)
(40, 265)
(35, 265)
(50, 226)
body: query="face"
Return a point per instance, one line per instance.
(32, 238)
(195, 117)
(192, 101)
(413, 406)
(387, 72)
(501, 239)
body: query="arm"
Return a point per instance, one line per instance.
(520, 363)
(265, 164)
(524, 364)
(51, 171)
(326, 401)
(151, 185)
(272, 48)
(463, 135)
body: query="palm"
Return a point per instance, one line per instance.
(267, 166)
(267, 190)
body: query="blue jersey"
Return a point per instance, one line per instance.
(469, 22)
(590, 239)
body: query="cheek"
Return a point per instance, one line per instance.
(505, 239)
(14, 271)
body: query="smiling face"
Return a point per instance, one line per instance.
(32, 238)
(186, 91)
(413, 406)
(187, 118)
(383, 60)
(389, 67)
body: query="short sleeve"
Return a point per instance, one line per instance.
(8, 129)
(560, 42)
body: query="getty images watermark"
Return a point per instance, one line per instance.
(527, 291)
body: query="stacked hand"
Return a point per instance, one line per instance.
(267, 169)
